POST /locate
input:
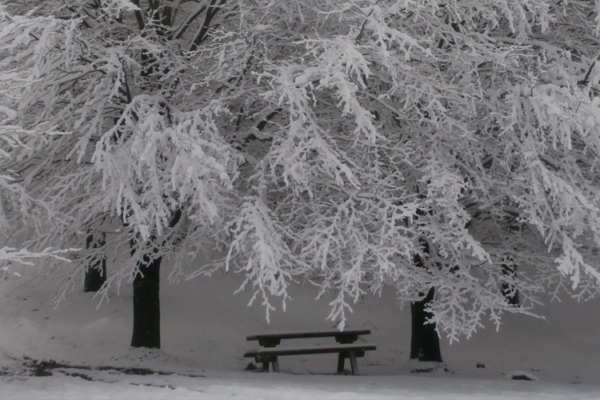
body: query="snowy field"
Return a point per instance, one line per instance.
(291, 387)
(80, 351)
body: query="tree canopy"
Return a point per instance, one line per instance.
(329, 140)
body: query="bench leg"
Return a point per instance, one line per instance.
(353, 363)
(275, 363)
(265, 366)
(268, 359)
(341, 361)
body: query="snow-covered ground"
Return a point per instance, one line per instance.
(292, 387)
(203, 339)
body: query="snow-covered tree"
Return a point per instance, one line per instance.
(366, 135)
(13, 196)
(468, 126)
(137, 154)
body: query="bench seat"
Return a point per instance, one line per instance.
(351, 351)
(272, 339)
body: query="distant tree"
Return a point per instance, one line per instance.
(95, 275)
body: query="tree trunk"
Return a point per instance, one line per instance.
(425, 342)
(146, 304)
(146, 298)
(509, 291)
(95, 275)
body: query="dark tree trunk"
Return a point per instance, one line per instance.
(95, 275)
(146, 304)
(424, 342)
(509, 291)
(146, 298)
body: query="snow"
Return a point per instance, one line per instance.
(296, 388)
(204, 331)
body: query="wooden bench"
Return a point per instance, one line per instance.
(345, 349)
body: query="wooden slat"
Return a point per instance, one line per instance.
(289, 351)
(251, 353)
(308, 334)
